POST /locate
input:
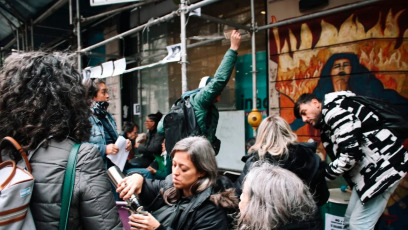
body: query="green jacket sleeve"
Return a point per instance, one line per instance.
(205, 97)
(203, 101)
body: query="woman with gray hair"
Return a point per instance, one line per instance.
(185, 199)
(275, 198)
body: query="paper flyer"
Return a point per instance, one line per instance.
(120, 158)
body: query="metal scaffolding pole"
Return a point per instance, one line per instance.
(183, 46)
(200, 4)
(253, 56)
(183, 10)
(50, 11)
(150, 23)
(8, 45)
(18, 40)
(197, 44)
(118, 10)
(26, 37)
(70, 11)
(78, 30)
(222, 21)
(254, 86)
(131, 31)
(32, 35)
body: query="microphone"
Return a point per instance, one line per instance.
(115, 176)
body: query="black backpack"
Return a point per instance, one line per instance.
(180, 122)
(391, 117)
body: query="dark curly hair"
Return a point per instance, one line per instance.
(93, 86)
(41, 95)
(128, 127)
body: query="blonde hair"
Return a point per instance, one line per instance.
(274, 137)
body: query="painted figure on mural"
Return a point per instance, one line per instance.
(343, 71)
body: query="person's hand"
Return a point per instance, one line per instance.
(111, 149)
(151, 169)
(130, 185)
(235, 40)
(143, 221)
(128, 145)
(137, 144)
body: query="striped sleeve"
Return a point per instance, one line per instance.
(345, 132)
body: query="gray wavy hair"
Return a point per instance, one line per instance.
(276, 197)
(203, 158)
(274, 137)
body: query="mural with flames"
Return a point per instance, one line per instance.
(380, 42)
(373, 40)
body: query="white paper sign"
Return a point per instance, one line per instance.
(174, 53)
(120, 158)
(119, 66)
(136, 109)
(96, 72)
(107, 69)
(333, 222)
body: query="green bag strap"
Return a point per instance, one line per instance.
(68, 187)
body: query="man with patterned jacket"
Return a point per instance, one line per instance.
(372, 160)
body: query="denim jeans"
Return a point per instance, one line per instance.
(364, 216)
(143, 171)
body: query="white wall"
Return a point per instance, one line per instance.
(231, 132)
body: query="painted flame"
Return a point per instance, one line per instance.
(299, 69)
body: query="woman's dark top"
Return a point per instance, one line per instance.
(147, 150)
(301, 160)
(189, 213)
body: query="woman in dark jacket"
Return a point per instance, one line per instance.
(275, 198)
(277, 144)
(152, 146)
(186, 199)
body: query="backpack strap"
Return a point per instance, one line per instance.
(17, 146)
(68, 186)
(10, 177)
(317, 164)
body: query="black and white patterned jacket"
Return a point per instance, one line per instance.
(371, 160)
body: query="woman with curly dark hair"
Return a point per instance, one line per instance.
(44, 106)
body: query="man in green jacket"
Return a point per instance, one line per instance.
(203, 99)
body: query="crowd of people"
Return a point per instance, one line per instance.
(46, 107)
